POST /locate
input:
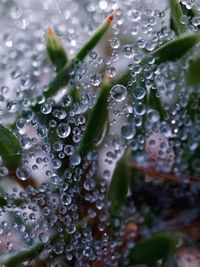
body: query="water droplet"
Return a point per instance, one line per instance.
(46, 108)
(115, 43)
(128, 131)
(118, 92)
(66, 199)
(75, 159)
(63, 130)
(139, 93)
(23, 173)
(43, 237)
(3, 171)
(69, 150)
(95, 79)
(42, 131)
(128, 51)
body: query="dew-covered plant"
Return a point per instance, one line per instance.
(99, 133)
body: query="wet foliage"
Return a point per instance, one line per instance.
(99, 133)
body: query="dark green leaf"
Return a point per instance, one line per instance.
(193, 73)
(55, 50)
(176, 16)
(171, 51)
(10, 149)
(191, 13)
(119, 186)
(97, 119)
(175, 49)
(157, 247)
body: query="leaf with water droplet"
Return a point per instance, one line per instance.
(170, 51)
(191, 13)
(93, 41)
(55, 50)
(63, 76)
(150, 250)
(96, 122)
(175, 49)
(176, 16)
(10, 149)
(119, 187)
(193, 72)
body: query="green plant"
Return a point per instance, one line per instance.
(76, 216)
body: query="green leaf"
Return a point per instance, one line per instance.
(193, 72)
(149, 251)
(191, 13)
(171, 51)
(10, 149)
(63, 76)
(176, 15)
(119, 186)
(93, 41)
(96, 121)
(55, 50)
(175, 49)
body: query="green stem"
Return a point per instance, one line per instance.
(24, 255)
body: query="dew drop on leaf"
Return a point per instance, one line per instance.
(118, 92)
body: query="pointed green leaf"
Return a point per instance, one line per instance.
(171, 51)
(119, 186)
(96, 122)
(10, 149)
(175, 49)
(63, 76)
(93, 41)
(55, 50)
(148, 251)
(176, 16)
(193, 73)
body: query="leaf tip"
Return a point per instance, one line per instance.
(50, 31)
(111, 17)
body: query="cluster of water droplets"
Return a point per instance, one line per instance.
(67, 192)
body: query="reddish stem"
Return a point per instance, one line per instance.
(161, 175)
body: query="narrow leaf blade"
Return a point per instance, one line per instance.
(63, 76)
(55, 50)
(176, 16)
(119, 187)
(93, 41)
(175, 49)
(193, 73)
(10, 149)
(157, 247)
(96, 122)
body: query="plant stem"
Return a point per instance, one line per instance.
(23, 255)
(157, 174)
